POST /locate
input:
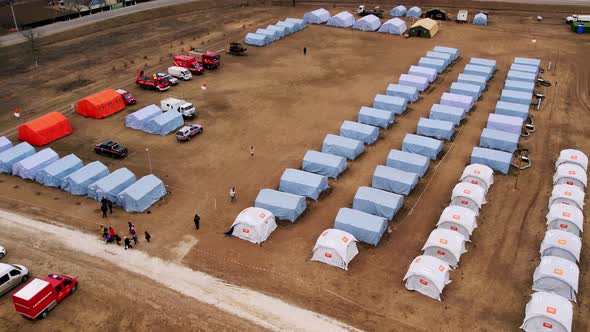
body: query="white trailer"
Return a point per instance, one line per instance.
(180, 72)
(577, 18)
(178, 105)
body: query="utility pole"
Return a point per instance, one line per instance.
(149, 159)
(13, 17)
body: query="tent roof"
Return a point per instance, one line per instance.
(456, 97)
(368, 225)
(505, 119)
(552, 306)
(146, 112)
(524, 68)
(359, 127)
(87, 172)
(38, 158)
(253, 216)
(485, 173)
(459, 215)
(324, 158)
(556, 238)
(342, 141)
(58, 166)
(568, 192)
(112, 180)
(278, 198)
(431, 268)
(517, 94)
(16, 151)
(423, 141)
(570, 171)
(566, 212)
(469, 190)
(558, 268)
(142, 186)
(528, 61)
(337, 240)
(302, 177)
(573, 156)
(256, 36)
(447, 239)
(425, 23)
(422, 69)
(344, 15)
(436, 124)
(413, 78)
(395, 21)
(396, 175)
(433, 61)
(482, 69)
(379, 196)
(390, 100)
(408, 157)
(103, 97)
(521, 75)
(483, 62)
(445, 49)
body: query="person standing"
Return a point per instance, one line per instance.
(104, 209)
(103, 201)
(304, 50)
(197, 221)
(148, 236)
(232, 194)
(110, 206)
(251, 150)
(112, 232)
(118, 239)
(134, 237)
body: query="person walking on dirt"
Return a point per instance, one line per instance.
(103, 201)
(251, 150)
(110, 206)
(197, 221)
(128, 243)
(118, 239)
(101, 229)
(304, 50)
(111, 232)
(131, 227)
(104, 209)
(148, 236)
(134, 237)
(232, 194)
(105, 232)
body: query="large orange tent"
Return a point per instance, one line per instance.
(45, 129)
(101, 105)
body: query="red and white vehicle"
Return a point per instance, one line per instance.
(39, 296)
(152, 82)
(187, 132)
(128, 98)
(188, 62)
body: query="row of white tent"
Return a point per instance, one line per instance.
(499, 140)
(152, 120)
(555, 280)
(274, 32)
(429, 273)
(70, 174)
(344, 19)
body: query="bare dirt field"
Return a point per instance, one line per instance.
(284, 103)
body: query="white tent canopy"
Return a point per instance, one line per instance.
(566, 194)
(548, 312)
(558, 276)
(445, 244)
(341, 20)
(254, 224)
(367, 23)
(458, 219)
(335, 247)
(468, 195)
(574, 157)
(317, 16)
(565, 217)
(571, 174)
(428, 275)
(478, 174)
(394, 26)
(562, 244)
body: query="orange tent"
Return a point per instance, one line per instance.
(101, 105)
(45, 129)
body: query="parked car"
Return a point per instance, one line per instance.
(187, 132)
(12, 275)
(2, 251)
(38, 297)
(128, 98)
(173, 80)
(111, 149)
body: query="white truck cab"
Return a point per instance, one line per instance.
(577, 18)
(180, 72)
(181, 106)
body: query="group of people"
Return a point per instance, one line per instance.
(106, 205)
(110, 236)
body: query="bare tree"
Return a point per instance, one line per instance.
(78, 5)
(33, 40)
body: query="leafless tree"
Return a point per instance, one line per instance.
(77, 5)
(33, 41)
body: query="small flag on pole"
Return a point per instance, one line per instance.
(17, 113)
(204, 86)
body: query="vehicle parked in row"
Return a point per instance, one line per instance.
(188, 62)
(111, 149)
(187, 132)
(208, 59)
(236, 48)
(173, 80)
(180, 73)
(152, 82)
(2, 251)
(11, 275)
(128, 98)
(181, 106)
(37, 298)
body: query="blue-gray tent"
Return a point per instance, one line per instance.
(417, 81)
(342, 146)
(528, 61)
(480, 19)
(13, 155)
(377, 202)
(367, 23)
(480, 81)
(466, 89)
(303, 183)
(393, 104)
(323, 164)
(144, 192)
(453, 51)
(282, 205)
(483, 62)
(317, 16)
(511, 124)
(512, 109)
(415, 12)
(408, 162)
(358, 131)
(524, 68)
(404, 91)
(398, 11)
(497, 160)
(447, 113)
(363, 226)
(28, 167)
(518, 97)
(455, 100)
(498, 140)
(341, 20)
(5, 144)
(425, 146)
(446, 57)
(478, 70)
(437, 64)
(528, 87)
(138, 119)
(394, 26)
(78, 181)
(111, 185)
(299, 23)
(255, 39)
(375, 117)
(291, 27)
(429, 73)
(394, 180)
(164, 123)
(435, 128)
(281, 30)
(273, 34)
(53, 175)
(521, 76)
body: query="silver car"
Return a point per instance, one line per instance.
(2, 252)
(12, 275)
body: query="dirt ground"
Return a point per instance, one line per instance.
(284, 103)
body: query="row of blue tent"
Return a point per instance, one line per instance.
(401, 11)
(346, 20)
(499, 140)
(70, 174)
(152, 120)
(274, 32)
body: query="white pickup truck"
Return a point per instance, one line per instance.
(178, 105)
(577, 18)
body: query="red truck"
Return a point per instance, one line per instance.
(152, 82)
(39, 296)
(188, 62)
(207, 59)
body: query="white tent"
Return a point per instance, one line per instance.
(458, 219)
(317, 16)
(341, 20)
(574, 157)
(548, 312)
(394, 26)
(571, 174)
(445, 244)
(562, 244)
(254, 224)
(468, 195)
(335, 247)
(566, 194)
(478, 174)
(367, 23)
(558, 276)
(428, 275)
(565, 217)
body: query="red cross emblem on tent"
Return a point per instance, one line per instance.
(573, 157)
(551, 310)
(558, 272)
(443, 241)
(568, 193)
(262, 215)
(571, 172)
(476, 171)
(562, 242)
(566, 214)
(466, 191)
(456, 217)
(345, 239)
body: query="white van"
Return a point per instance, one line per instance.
(180, 72)
(11, 275)
(181, 106)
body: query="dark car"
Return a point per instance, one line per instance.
(111, 149)
(187, 132)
